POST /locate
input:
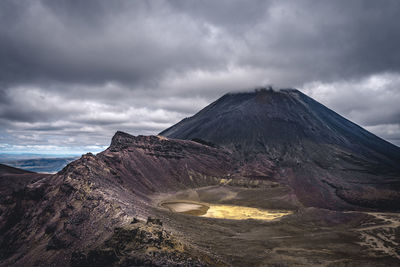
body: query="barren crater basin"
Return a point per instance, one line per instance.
(223, 211)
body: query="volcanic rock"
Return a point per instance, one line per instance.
(329, 161)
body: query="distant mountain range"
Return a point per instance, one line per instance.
(23, 156)
(44, 165)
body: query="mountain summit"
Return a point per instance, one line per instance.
(269, 121)
(320, 154)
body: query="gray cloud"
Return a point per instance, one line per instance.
(73, 72)
(371, 101)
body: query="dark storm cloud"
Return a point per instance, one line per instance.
(98, 41)
(139, 42)
(73, 72)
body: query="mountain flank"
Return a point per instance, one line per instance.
(329, 161)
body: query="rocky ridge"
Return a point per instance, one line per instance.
(79, 207)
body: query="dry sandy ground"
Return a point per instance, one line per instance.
(383, 235)
(231, 212)
(305, 237)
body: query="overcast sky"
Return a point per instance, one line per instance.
(74, 72)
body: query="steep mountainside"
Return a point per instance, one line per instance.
(57, 218)
(269, 121)
(328, 160)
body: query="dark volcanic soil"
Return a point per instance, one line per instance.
(309, 237)
(104, 209)
(327, 160)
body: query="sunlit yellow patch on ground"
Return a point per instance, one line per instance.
(242, 213)
(224, 211)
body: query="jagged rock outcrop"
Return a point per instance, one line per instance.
(138, 244)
